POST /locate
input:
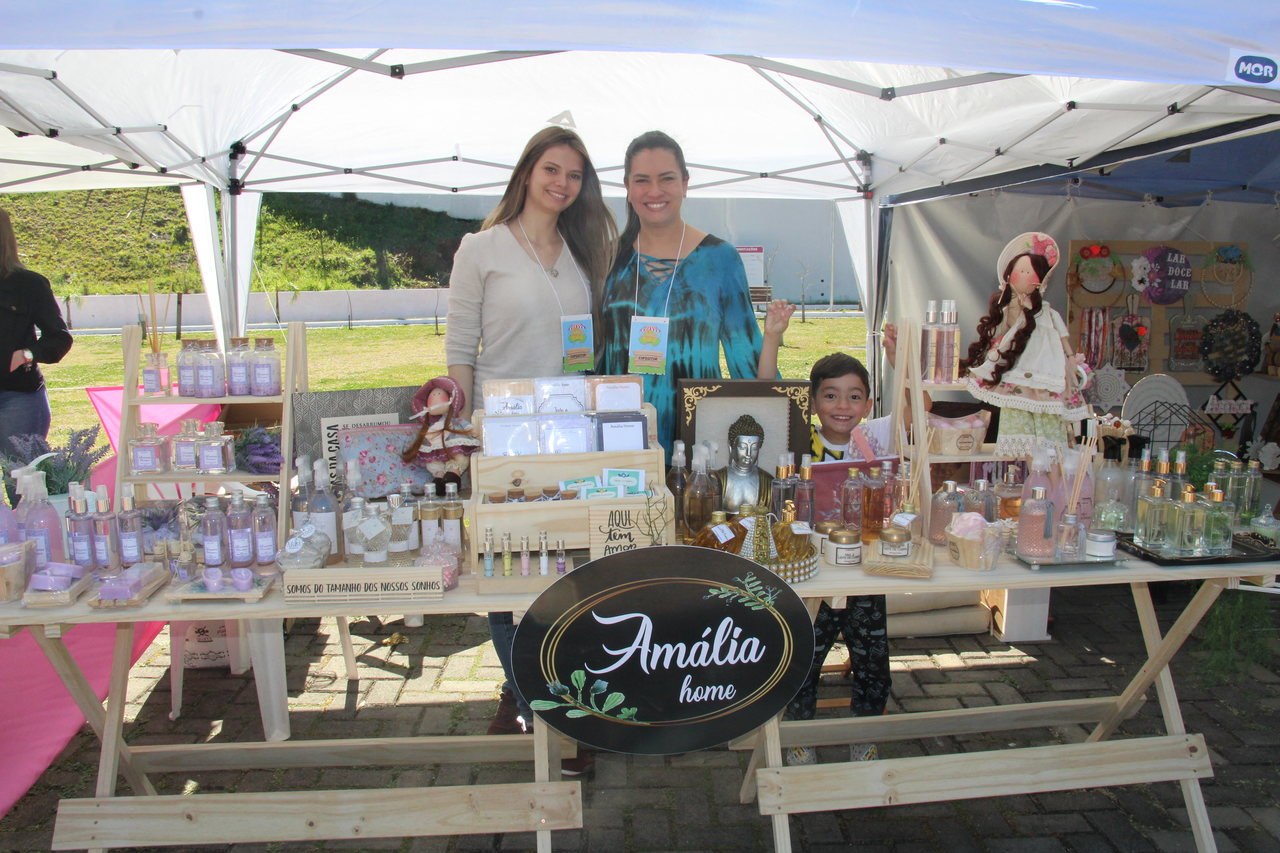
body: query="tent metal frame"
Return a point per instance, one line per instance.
(230, 172)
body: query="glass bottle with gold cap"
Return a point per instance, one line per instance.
(1151, 527)
(1219, 518)
(721, 533)
(1187, 529)
(872, 505)
(805, 502)
(1251, 495)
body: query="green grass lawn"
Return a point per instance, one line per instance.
(371, 357)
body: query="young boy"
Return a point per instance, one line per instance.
(839, 391)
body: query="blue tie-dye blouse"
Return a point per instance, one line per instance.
(710, 306)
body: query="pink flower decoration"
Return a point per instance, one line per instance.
(1043, 244)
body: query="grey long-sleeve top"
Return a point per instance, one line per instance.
(504, 318)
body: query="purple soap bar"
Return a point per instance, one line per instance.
(70, 570)
(123, 587)
(48, 582)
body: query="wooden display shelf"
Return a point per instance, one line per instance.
(237, 410)
(240, 399)
(197, 477)
(985, 453)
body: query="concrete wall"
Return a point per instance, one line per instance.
(316, 307)
(804, 243)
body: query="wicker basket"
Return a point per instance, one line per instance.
(978, 555)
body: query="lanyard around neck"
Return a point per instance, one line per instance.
(666, 306)
(547, 278)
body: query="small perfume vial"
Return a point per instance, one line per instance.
(542, 553)
(524, 556)
(506, 555)
(488, 552)
(561, 564)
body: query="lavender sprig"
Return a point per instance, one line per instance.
(70, 463)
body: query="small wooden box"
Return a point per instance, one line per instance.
(570, 521)
(17, 563)
(393, 584)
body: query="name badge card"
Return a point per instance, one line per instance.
(577, 342)
(648, 348)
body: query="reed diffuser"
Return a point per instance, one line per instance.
(1069, 541)
(155, 368)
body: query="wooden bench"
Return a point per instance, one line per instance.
(761, 295)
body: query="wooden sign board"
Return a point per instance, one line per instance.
(401, 584)
(616, 526)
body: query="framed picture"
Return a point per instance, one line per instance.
(705, 408)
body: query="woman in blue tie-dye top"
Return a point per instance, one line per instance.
(667, 269)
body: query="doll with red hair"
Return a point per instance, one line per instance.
(445, 441)
(1022, 360)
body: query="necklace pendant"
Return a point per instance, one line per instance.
(553, 272)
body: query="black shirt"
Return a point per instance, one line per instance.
(27, 303)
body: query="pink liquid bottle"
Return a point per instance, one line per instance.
(1036, 527)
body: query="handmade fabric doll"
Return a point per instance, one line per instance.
(445, 440)
(1022, 361)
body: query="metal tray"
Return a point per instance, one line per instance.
(1081, 562)
(1244, 549)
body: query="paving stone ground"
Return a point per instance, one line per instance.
(444, 680)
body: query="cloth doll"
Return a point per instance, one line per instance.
(1022, 361)
(445, 441)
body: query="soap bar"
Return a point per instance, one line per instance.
(43, 581)
(128, 584)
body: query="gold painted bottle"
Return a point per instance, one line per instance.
(791, 546)
(723, 534)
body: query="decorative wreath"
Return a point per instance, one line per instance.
(1228, 254)
(1096, 270)
(1231, 346)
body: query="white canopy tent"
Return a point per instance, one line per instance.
(198, 98)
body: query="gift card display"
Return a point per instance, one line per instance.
(621, 431)
(566, 434)
(560, 394)
(510, 436)
(615, 393)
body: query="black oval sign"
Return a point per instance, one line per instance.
(663, 650)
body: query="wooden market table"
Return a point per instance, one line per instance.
(1098, 762)
(545, 803)
(108, 821)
